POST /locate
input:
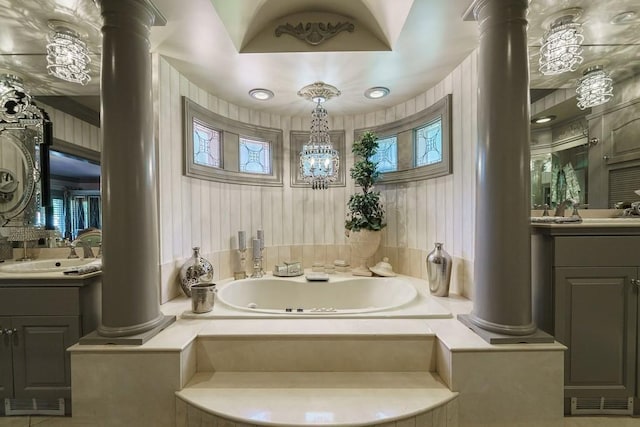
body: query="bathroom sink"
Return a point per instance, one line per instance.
(45, 265)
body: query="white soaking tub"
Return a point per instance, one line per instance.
(278, 296)
(342, 296)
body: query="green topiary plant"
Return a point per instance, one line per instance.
(365, 210)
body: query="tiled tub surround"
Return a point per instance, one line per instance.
(196, 365)
(405, 261)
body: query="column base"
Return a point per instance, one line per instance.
(537, 337)
(94, 338)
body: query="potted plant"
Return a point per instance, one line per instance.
(365, 218)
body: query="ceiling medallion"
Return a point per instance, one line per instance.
(319, 91)
(314, 33)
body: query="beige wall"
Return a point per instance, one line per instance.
(209, 214)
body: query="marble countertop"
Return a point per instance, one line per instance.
(450, 331)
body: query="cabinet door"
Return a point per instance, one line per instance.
(40, 358)
(6, 363)
(596, 311)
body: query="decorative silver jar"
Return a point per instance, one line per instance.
(195, 270)
(439, 271)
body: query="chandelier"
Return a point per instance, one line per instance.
(594, 88)
(67, 55)
(319, 161)
(14, 99)
(561, 49)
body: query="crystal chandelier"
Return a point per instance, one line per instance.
(319, 161)
(67, 55)
(561, 49)
(594, 88)
(14, 99)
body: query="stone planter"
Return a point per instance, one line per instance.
(364, 244)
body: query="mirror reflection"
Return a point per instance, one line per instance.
(75, 189)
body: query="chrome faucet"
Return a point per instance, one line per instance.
(562, 206)
(86, 248)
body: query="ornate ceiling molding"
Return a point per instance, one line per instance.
(314, 33)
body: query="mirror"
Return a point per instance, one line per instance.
(591, 156)
(22, 138)
(74, 181)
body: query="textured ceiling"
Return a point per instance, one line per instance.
(420, 42)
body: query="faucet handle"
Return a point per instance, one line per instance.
(546, 210)
(575, 210)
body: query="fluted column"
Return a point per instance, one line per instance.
(130, 242)
(502, 264)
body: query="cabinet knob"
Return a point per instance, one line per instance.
(635, 282)
(10, 331)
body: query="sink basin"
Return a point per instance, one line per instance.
(44, 265)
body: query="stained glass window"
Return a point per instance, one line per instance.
(255, 156)
(206, 145)
(386, 156)
(429, 143)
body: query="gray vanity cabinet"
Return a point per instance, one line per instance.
(596, 318)
(39, 323)
(585, 294)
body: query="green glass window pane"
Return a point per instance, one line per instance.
(386, 157)
(255, 156)
(206, 145)
(428, 144)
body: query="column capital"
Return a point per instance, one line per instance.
(158, 18)
(473, 11)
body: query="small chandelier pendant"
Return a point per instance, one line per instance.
(67, 55)
(319, 161)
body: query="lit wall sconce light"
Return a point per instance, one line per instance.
(561, 49)
(594, 88)
(67, 55)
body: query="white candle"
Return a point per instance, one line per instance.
(260, 235)
(256, 248)
(242, 241)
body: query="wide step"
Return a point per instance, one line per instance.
(316, 399)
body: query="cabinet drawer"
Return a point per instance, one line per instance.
(587, 251)
(45, 301)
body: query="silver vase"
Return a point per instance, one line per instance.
(439, 271)
(195, 270)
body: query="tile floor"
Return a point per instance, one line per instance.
(602, 421)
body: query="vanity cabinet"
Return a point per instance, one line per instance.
(38, 322)
(585, 294)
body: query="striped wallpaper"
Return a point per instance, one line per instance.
(299, 222)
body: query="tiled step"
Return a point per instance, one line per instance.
(317, 347)
(247, 399)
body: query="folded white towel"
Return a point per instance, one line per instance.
(85, 269)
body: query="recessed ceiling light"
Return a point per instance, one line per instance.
(543, 119)
(376, 92)
(261, 94)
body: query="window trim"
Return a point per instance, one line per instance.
(298, 138)
(441, 109)
(225, 125)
